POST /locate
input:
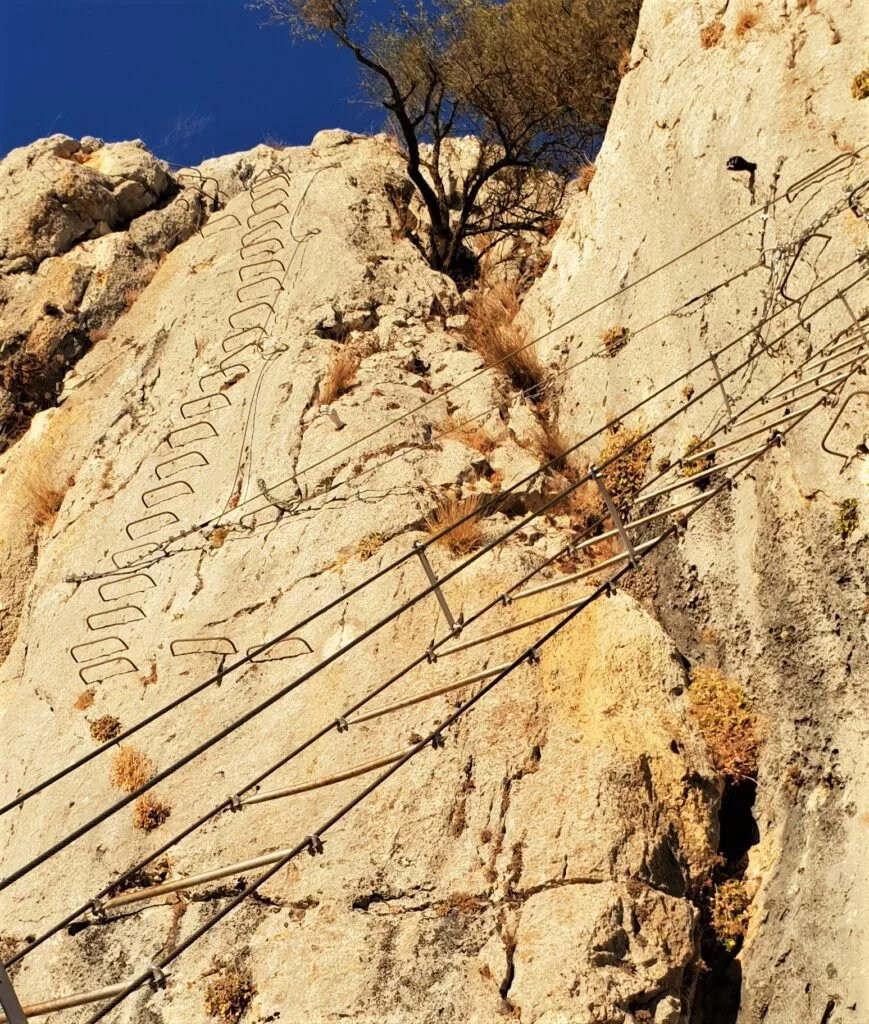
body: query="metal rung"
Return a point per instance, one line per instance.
(633, 524)
(573, 577)
(419, 698)
(438, 593)
(614, 515)
(820, 376)
(9, 1000)
(68, 1002)
(328, 780)
(706, 452)
(833, 353)
(691, 480)
(713, 358)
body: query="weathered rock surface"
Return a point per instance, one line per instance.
(763, 585)
(546, 863)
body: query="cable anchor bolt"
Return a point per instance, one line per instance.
(437, 741)
(315, 845)
(235, 803)
(614, 515)
(328, 410)
(341, 724)
(157, 976)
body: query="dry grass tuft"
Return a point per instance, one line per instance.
(710, 35)
(860, 85)
(229, 994)
(747, 17)
(551, 444)
(729, 913)
(369, 546)
(586, 175)
(696, 445)
(149, 812)
(720, 708)
(42, 493)
(615, 339)
(462, 539)
(84, 700)
(624, 63)
(339, 377)
(105, 728)
(130, 769)
(468, 434)
(462, 903)
(492, 332)
(218, 536)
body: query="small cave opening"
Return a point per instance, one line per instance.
(719, 986)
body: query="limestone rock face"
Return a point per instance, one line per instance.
(543, 863)
(764, 585)
(270, 399)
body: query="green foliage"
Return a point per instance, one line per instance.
(533, 81)
(848, 518)
(729, 913)
(624, 477)
(725, 721)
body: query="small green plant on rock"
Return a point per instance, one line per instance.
(229, 994)
(729, 913)
(624, 476)
(848, 518)
(721, 710)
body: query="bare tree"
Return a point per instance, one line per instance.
(531, 81)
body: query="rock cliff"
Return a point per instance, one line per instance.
(237, 402)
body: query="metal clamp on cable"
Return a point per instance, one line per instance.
(315, 845)
(777, 438)
(506, 599)
(437, 741)
(341, 724)
(533, 656)
(158, 976)
(609, 588)
(458, 625)
(431, 655)
(235, 803)
(679, 527)
(98, 909)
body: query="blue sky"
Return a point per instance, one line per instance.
(193, 78)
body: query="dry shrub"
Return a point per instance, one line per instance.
(229, 994)
(369, 546)
(42, 492)
(747, 17)
(551, 444)
(218, 536)
(722, 714)
(84, 700)
(449, 512)
(462, 902)
(729, 913)
(586, 175)
(468, 434)
(860, 85)
(340, 375)
(624, 63)
(710, 35)
(149, 812)
(130, 769)
(105, 728)
(696, 445)
(624, 477)
(615, 339)
(492, 332)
